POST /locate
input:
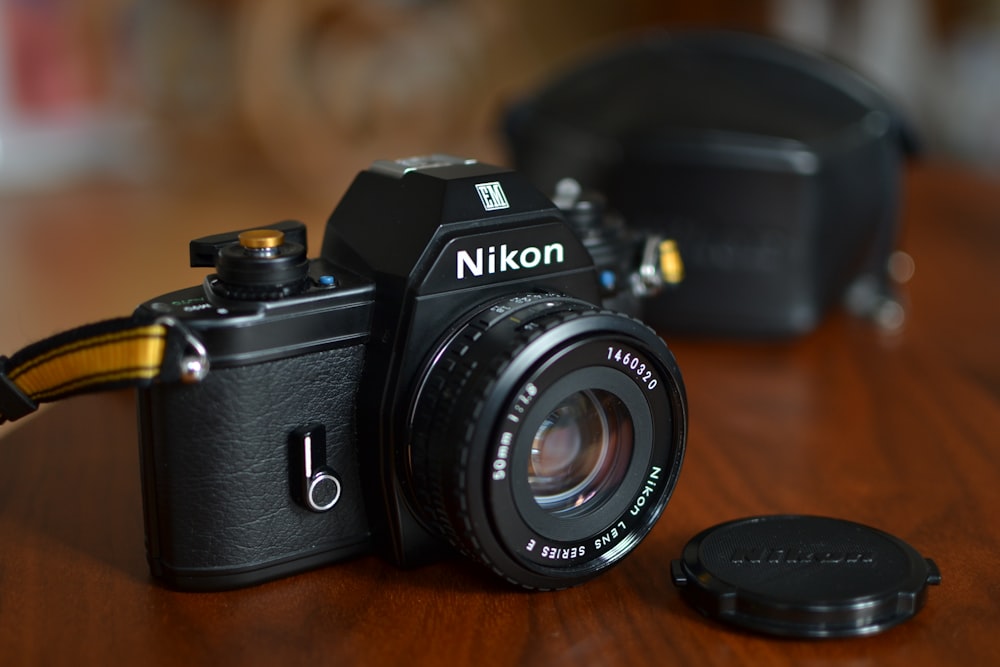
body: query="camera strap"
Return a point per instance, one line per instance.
(116, 353)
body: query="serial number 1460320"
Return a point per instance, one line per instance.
(635, 364)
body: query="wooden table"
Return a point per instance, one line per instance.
(901, 432)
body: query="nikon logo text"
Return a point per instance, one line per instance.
(800, 555)
(500, 260)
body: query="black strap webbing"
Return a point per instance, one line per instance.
(112, 354)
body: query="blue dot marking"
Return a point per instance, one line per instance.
(608, 279)
(327, 281)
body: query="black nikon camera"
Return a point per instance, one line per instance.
(445, 377)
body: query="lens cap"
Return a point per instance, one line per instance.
(803, 576)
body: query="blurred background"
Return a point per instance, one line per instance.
(310, 91)
(129, 127)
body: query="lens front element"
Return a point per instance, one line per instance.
(580, 452)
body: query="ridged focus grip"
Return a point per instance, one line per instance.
(451, 400)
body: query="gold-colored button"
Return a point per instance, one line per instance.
(671, 264)
(261, 239)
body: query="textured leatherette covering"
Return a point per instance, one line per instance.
(216, 480)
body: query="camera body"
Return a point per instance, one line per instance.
(443, 377)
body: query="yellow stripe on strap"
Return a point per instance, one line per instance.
(133, 354)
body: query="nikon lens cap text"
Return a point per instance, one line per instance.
(803, 576)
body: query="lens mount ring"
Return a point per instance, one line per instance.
(480, 406)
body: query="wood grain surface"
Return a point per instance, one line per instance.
(901, 432)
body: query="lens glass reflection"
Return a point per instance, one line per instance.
(580, 452)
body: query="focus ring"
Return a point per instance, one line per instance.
(446, 388)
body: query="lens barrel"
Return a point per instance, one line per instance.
(547, 436)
